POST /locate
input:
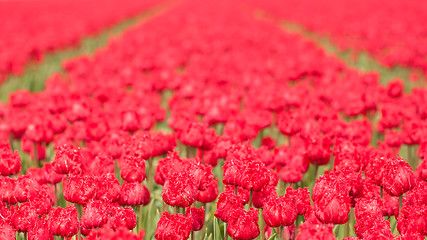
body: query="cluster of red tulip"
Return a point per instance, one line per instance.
(212, 124)
(30, 29)
(363, 26)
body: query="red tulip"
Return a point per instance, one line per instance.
(197, 215)
(24, 217)
(398, 177)
(123, 217)
(108, 188)
(175, 226)
(279, 211)
(226, 203)
(242, 224)
(6, 231)
(63, 221)
(315, 232)
(10, 162)
(68, 159)
(210, 193)
(79, 188)
(179, 189)
(40, 230)
(134, 194)
(95, 214)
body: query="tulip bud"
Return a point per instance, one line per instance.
(210, 193)
(197, 215)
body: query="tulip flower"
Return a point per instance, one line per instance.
(197, 215)
(79, 188)
(179, 190)
(175, 226)
(242, 224)
(63, 221)
(134, 194)
(10, 161)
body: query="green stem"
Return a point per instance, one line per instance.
(225, 231)
(400, 204)
(250, 198)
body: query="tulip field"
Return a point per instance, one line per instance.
(213, 120)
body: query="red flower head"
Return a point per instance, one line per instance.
(370, 223)
(95, 214)
(310, 231)
(24, 217)
(226, 203)
(108, 233)
(7, 189)
(197, 135)
(10, 162)
(68, 159)
(166, 166)
(51, 176)
(123, 217)
(108, 188)
(395, 88)
(242, 224)
(197, 215)
(25, 188)
(289, 123)
(132, 169)
(79, 188)
(240, 192)
(103, 164)
(63, 221)
(318, 150)
(133, 194)
(413, 220)
(242, 168)
(179, 189)
(398, 177)
(202, 174)
(269, 143)
(6, 231)
(279, 211)
(333, 208)
(210, 193)
(175, 226)
(40, 230)
(300, 198)
(260, 197)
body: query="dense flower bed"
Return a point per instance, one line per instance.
(29, 29)
(392, 31)
(210, 123)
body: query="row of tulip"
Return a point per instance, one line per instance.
(363, 26)
(30, 29)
